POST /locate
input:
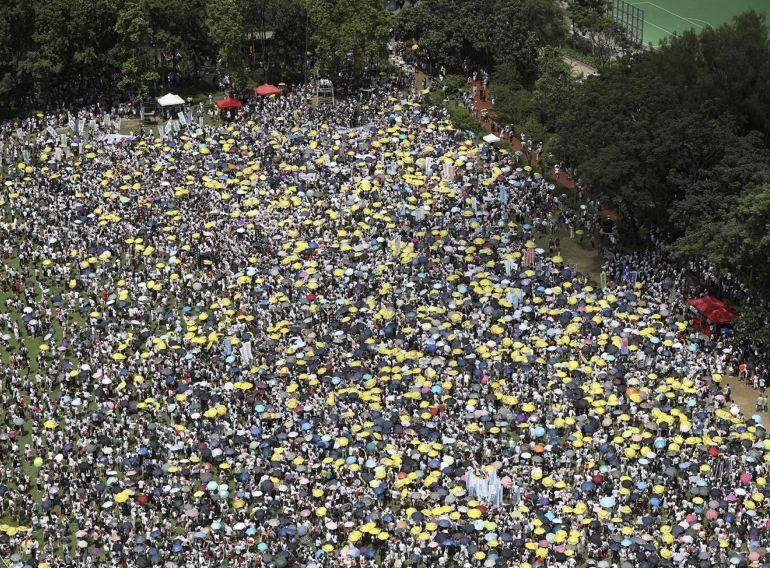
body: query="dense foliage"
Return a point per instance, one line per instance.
(677, 139)
(488, 33)
(54, 50)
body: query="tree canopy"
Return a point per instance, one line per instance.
(677, 139)
(61, 47)
(485, 32)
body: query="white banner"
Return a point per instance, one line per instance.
(357, 129)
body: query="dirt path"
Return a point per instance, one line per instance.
(746, 397)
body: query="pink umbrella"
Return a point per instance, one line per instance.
(690, 518)
(712, 515)
(543, 544)
(304, 513)
(745, 477)
(506, 481)
(754, 556)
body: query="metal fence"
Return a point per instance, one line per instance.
(631, 18)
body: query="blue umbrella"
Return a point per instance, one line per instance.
(607, 502)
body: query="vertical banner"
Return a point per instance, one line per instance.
(117, 122)
(624, 346)
(182, 118)
(626, 273)
(632, 278)
(63, 139)
(603, 279)
(51, 132)
(529, 257)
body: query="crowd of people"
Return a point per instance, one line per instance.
(324, 337)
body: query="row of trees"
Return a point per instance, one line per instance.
(484, 33)
(51, 48)
(677, 139)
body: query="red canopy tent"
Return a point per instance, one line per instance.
(228, 102)
(713, 310)
(267, 89)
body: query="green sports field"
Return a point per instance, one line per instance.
(663, 18)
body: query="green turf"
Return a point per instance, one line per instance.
(662, 18)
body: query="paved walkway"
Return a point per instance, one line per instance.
(578, 68)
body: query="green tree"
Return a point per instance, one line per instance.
(225, 27)
(53, 44)
(554, 88)
(16, 24)
(350, 33)
(727, 67)
(135, 50)
(487, 33)
(752, 328)
(289, 25)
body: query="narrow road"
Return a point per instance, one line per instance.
(578, 68)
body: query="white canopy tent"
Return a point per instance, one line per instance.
(170, 100)
(491, 138)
